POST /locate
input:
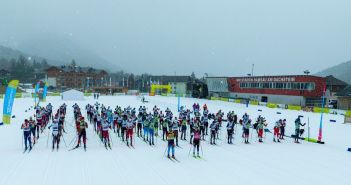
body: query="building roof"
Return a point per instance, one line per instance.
(331, 80)
(345, 92)
(76, 69)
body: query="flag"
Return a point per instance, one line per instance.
(36, 92)
(8, 101)
(45, 91)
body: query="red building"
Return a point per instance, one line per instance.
(298, 90)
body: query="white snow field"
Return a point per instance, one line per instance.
(269, 163)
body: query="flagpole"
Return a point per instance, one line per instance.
(320, 134)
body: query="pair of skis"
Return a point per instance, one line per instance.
(173, 159)
(198, 158)
(85, 149)
(27, 150)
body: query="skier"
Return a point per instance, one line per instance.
(204, 119)
(246, 128)
(230, 131)
(297, 129)
(124, 127)
(26, 135)
(55, 133)
(130, 127)
(39, 122)
(175, 129)
(140, 124)
(105, 135)
(164, 129)
(196, 142)
(213, 128)
(170, 139)
(119, 124)
(277, 127)
(260, 128)
(282, 129)
(146, 122)
(183, 129)
(82, 132)
(33, 126)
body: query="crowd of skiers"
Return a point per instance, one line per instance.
(190, 125)
(33, 128)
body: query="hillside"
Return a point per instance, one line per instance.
(341, 71)
(60, 48)
(9, 53)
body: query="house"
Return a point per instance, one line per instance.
(344, 98)
(69, 77)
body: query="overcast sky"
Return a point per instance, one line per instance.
(220, 37)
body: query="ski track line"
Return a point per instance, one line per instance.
(49, 165)
(212, 165)
(150, 165)
(95, 137)
(19, 161)
(118, 165)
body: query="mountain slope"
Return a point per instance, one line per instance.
(341, 71)
(60, 48)
(9, 53)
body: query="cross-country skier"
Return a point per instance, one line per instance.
(164, 129)
(246, 128)
(82, 132)
(39, 122)
(282, 129)
(213, 129)
(146, 122)
(204, 120)
(140, 124)
(170, 146)
(175, 129)
(183, 129)
(26, 135)
(105, 134)
(124, 127)
(33, 128)
(230, 131)
(55, 133)
(260, 129)
(130, 127)
(196, 142)
(297, 129)
(276, 137)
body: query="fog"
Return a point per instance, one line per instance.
(218, 37)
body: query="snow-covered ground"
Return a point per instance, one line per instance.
(269, 163)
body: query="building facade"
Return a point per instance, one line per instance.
(344, 98)
(68, 77)
(217, 86)
(295, 89)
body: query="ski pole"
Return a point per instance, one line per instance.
(63, 138)
(251, 132)
(110, 139)
(202, 151)
(74, 139)
(22, 141)
(190, 150)
(164, 153)
(47, 141)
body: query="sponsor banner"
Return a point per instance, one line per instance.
(8, 101)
